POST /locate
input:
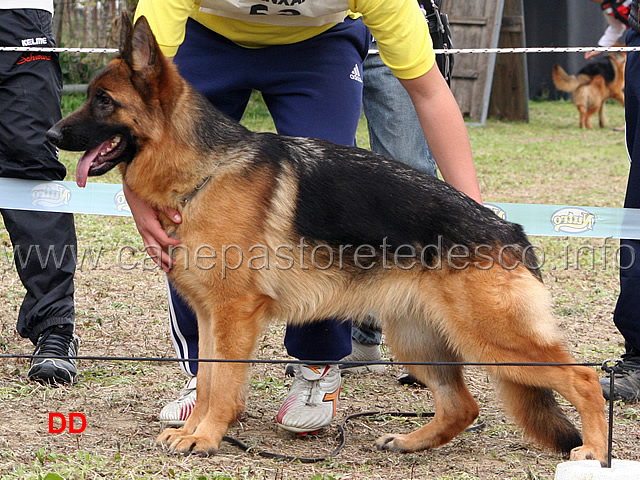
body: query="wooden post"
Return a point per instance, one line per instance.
(510, 89)
(488, 83)
(474, 25)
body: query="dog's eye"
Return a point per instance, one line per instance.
(102, 99)
(105, 100)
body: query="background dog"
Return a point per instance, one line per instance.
(319, 231)
(598, 81)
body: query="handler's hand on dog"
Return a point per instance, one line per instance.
(155, 239)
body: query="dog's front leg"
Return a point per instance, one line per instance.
(230, 334)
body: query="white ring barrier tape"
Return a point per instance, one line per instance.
(537, 219)
(437, 51)
(58, 49)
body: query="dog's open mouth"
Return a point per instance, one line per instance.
(100, 159)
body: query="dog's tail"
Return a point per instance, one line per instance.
(537, 411)
(563, 81)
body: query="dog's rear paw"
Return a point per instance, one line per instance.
(391, 442)
(176, 440)
(587, 453)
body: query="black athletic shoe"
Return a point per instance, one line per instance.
(626, 383)
(55, 342)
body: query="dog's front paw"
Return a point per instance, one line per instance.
(169, 436)
(392, 442)
(176, 440)
(586, 453)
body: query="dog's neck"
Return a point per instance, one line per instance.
(193, 192)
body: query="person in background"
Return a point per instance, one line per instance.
(30, 94)
(617, 15)
(626, 315)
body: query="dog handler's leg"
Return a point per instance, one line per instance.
(234, 332)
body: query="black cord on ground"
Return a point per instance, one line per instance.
(341, 437)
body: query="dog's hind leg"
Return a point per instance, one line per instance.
(512, 323)
(583, 121)
(587, 116)
(230, 334)
(455, 408)
(601, 117)
(586, 112)
(527, 393)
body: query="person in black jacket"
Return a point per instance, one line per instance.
(627, 312)
(44, 243)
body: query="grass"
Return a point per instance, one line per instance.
(123, 313)
(533, 162)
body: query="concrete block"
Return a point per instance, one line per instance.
(591, 470)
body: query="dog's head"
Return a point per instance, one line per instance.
(123, 105)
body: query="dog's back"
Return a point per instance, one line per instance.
(610, 68)
(599, 66)
(353, 196)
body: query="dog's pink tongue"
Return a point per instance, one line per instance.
(84, 164)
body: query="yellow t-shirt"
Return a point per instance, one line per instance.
(398, 26)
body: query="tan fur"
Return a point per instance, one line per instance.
(590, 93)
(446, 313)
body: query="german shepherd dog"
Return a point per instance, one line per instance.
(334, 231)
(593, 85)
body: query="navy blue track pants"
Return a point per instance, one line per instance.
(627, 312)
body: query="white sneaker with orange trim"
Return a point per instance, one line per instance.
(313, 399)
(175, 414)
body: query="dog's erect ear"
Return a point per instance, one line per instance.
(138, 47)
(126, 32)
(145, 48)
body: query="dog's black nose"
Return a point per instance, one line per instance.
(54, 135)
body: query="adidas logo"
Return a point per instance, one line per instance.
(355, 74)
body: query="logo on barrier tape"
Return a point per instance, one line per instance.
(121, 202)
(497, 210)
(50, 195)
(573, 220)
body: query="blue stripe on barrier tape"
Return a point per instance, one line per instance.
(95, 198)
(571, 221)
(108, 199)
